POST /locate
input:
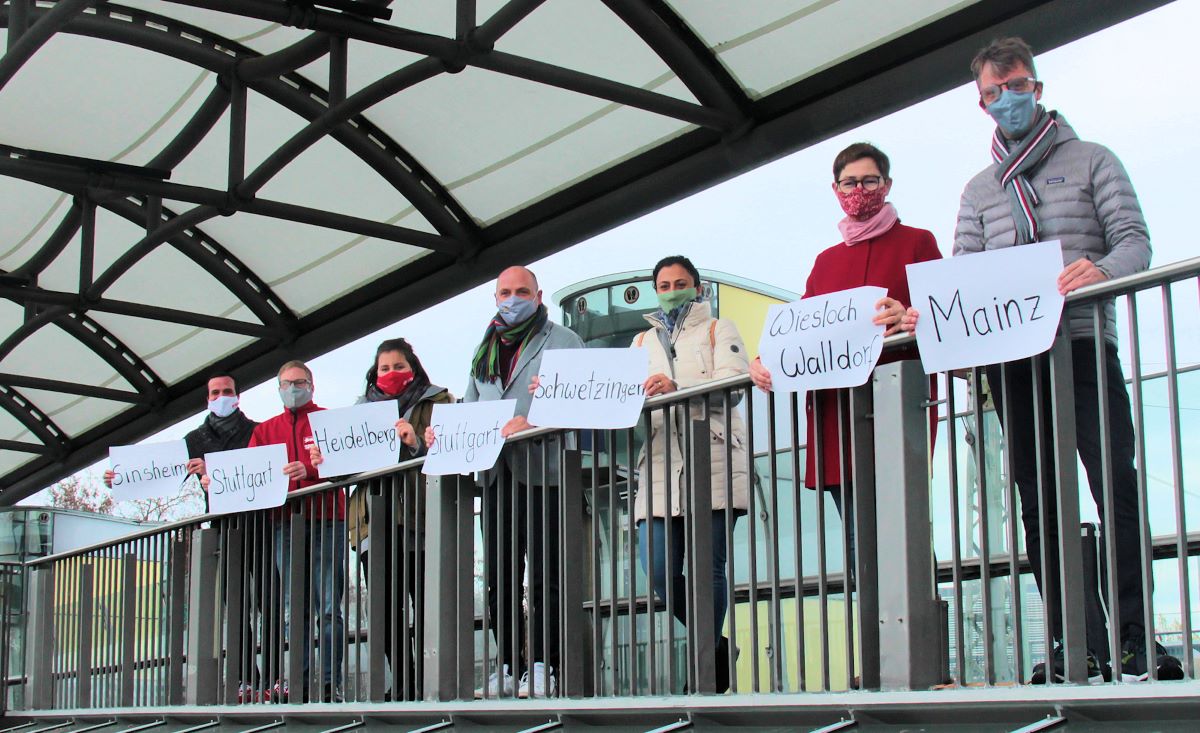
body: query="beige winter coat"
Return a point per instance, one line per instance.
(703, 352)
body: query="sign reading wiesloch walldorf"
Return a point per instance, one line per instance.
(822, 342)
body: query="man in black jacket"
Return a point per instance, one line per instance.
(225, 427)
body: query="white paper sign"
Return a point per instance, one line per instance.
(987, 307)
(822, 342)
(148, 471)
(467, 436)
(246, 478)
(358, 438)
(590, 388)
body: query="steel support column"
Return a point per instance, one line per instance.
(911, 640)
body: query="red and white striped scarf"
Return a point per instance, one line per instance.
(1016, 159)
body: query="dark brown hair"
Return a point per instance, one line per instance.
(1004, 54)
(676, 260)
(409, 355)
(858, 151)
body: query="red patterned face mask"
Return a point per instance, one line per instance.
(393, 383)
(861, 203)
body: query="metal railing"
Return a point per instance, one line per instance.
(392, 586)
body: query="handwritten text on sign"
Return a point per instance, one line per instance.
(246, 478)
(467, 436)
(148, 471)
(590, 388)
(358, 438)
(987, 307)
(823, 342)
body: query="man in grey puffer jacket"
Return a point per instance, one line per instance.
(1047, 184)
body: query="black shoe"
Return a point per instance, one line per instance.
(331, 694)
(1133, 659)
(1095, 672)
(722, 663)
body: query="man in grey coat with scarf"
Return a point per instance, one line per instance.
(520, 504)
(1047, 184)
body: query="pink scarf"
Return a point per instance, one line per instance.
(856, 232)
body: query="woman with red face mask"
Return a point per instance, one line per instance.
(397, 375)
(874, 250)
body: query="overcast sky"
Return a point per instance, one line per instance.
(1129, 87)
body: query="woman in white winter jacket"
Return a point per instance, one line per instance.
(686, 347)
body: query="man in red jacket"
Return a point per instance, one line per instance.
(324, 517)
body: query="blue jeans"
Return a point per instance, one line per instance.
(327, 538)
(673, 570)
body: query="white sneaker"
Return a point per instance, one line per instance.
(500, 684)
(543, 677)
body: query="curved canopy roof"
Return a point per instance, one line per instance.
(230, 183)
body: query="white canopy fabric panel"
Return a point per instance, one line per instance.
(197, 184)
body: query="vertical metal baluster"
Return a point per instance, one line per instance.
(730, 579)
(1039, 440)
(1145, 538)
(597, 642)
(613, 564)
(776, 636)
(688, 519)
(1177, 479)
(843, 397)
(752, 564)
(631, 555)
(651, 604)
(1014, 516)
(817, 440)
(399, 619)
(955, 529)
(668, 542)
(486, 534)
(798, 537)
(521, 568)
(1108, 525)
(985, 550)
(545, 616)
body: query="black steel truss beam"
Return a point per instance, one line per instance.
(81, 182)
(677, 45)
(76, 303)
(35, 36)
(35, 421)
(83, 390)
(22, 447)
(501, 22)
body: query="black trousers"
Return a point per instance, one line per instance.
(521, 523)
(1042, 536)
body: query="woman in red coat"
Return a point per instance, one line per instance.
(874, 249)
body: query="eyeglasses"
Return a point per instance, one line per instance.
(869, 183)
(301, 383)
(1018, 84)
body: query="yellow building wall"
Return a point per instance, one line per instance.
(748, 311)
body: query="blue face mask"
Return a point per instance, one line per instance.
(1014, 112)
(516, 309)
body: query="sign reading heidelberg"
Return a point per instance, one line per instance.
(246, 478)
(355, 439)
(822, 342)
(988, 307)
(148, 471)
(590, 388)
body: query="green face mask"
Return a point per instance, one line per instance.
(672, 299)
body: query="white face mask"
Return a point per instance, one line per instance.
(223, 406)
